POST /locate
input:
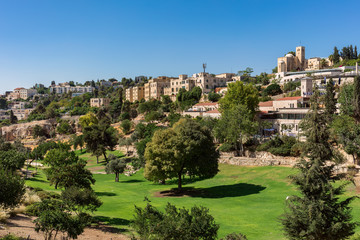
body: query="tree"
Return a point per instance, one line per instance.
(246, 72)
(55, 217)
(126, 142)
(174, 223)
(88, 120)
(80, 200)
(214, 97)
(153, 116)
(187, 147)
(357, 98)
(12, 160)
(235, 126)
(273, 89)
(347, 133)
(330, 101)
(66, 170)
(336, 56)
(99, 138)
(78, 141)
(13, 118)
(240, 94)
(346, 99)
(317, 213)
(39, 131)
(126, 126)
(12, 189)
(3, 103)
(64, 128)
(115, 166)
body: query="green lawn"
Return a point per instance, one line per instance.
(241, 199)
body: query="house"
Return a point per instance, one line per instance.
(99, 102)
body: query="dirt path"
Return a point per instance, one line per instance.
(22, 226)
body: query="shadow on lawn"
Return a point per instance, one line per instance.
(111, 221)
(108, 194)
(34, 179)
(222, 191)
(132, 181)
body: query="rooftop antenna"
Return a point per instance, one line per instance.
(204, 66)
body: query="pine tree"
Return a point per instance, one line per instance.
(330, 101)
(317, 213)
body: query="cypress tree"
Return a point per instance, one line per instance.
(317, 212)
(357, 98)
(336, 55)
(330, 101)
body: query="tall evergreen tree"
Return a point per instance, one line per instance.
(336, 55)
(355, 53)
(357, 98)
(317, 213)
(330, 101)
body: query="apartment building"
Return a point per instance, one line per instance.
(183, 82)
(27, 93)
(285, 114)
(99, 102)
(129, 94)
(154, 88)
(207, 109)
(138, 93)
(65, 88)
(208, 82)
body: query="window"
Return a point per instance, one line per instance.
(207, 86)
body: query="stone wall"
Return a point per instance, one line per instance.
(257, 159)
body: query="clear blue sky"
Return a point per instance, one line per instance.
(80, 40)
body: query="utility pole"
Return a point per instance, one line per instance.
(204, 66)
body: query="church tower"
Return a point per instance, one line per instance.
(300, 55)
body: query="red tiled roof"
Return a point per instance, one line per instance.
(289, 98)
(19, 88)
(213, 111)
(206, 104)
(266, 104)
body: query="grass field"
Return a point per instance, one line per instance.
(241, 199)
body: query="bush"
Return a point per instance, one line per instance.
(10, 237)
(235, 236)
(281, 146)
(226, 147)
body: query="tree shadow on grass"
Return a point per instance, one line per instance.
(111, 221)
(35, 180)
(108, 194)
(185, 181)
(222, 191)
(132, 181)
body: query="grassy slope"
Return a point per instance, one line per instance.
(241, 199)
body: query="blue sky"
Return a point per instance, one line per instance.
(80, 40)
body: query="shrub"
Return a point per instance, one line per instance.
(10, 237)
(235, 236)
(283, 146)
(226, 147)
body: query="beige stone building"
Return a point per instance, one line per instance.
(178, 83)
(138, 93)
(129, 94)
(27, 93)
(290, 63)
(208, 82)
(99, 102)
(154, 88)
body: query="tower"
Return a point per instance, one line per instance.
(300, 55)
(204, 66)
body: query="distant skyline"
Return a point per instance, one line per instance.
(83, 40)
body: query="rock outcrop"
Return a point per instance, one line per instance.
(25, 130)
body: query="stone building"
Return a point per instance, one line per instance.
(154, 88)
(183, 82)
(129, 94)
(208, 82)
(99, 102)
(290, 63)
(138, 93)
